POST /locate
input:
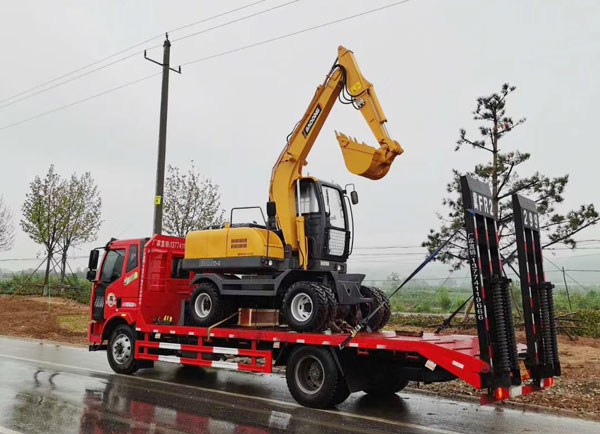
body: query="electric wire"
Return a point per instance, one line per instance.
(298, 32)
(96, 62)
(223, 53)
(121, 59)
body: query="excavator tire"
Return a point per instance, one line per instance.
(307, 306)
(331, 300)
(381, 318)
(207, 306)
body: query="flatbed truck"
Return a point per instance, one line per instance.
(138, 315)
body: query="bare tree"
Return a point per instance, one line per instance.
(501, 172)
(7, 228)
(191, 202)
(43, 217)
(81, 209)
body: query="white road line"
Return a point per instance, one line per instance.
(239, 395)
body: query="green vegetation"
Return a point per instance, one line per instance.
(74, 288)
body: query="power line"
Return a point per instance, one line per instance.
(235, 21)
(388, 247)
(139, 52)
(36, 259)
(570, 277)
(117, 53)
(287, 35)
(80, 101)
(207, 58)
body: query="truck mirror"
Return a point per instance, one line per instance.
(354, 197)
(93, 262)
(91, 275)
(271, 209)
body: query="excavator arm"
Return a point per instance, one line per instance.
(346, 83)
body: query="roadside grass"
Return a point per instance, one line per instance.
(73, 323)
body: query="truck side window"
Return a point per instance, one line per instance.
(176, 271)
(113, 266)
(132, 259)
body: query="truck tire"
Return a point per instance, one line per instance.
(306, 307)
(207, 306)
(381, 318)
(386, 385)
(121, 350)
(314, 379)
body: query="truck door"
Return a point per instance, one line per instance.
(128, 297)
(110, 284)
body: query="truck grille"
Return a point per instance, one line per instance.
(337, 242)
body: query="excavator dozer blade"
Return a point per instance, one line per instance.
(364, 160)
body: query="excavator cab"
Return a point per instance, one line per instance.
(325, 208)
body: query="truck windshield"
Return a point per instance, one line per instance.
(334, 207)
(112, 266)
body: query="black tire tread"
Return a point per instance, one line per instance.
(321, 303)
(333, 393)
(131, 367)
(382, 317)
(222, 307)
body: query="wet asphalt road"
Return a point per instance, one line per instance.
(46, 388)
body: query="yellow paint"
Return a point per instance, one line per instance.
(227, 243)
(157, 200)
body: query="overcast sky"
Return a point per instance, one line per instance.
(428, 60)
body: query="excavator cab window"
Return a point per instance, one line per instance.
(334, 209)
(325, 220)
(309, 202)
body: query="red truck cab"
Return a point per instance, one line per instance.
(128, 266)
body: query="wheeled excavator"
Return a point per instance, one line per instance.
(296, 260)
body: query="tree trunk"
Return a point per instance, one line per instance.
(63, 266)
(47, 274)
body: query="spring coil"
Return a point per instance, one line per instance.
(502, 361)
(509, 325)
(546, 327)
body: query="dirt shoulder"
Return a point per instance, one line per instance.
(577, 390)
(59, 319)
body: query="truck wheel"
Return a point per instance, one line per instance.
(386, 385)
(381, 318)
(314, 379)
(306, 307)
(207, 306)
(121, 350)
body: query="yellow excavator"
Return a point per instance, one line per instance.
(296, 259)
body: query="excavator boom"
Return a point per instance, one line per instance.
(346, 83)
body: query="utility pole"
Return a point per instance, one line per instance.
(162, 134)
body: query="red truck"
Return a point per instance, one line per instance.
(137, 312)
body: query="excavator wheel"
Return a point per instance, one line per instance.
(307, 306)
(381, 318)
(207, 306)
(332, 301)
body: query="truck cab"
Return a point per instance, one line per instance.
(119, 281)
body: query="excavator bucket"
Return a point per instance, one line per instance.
(364, 160)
